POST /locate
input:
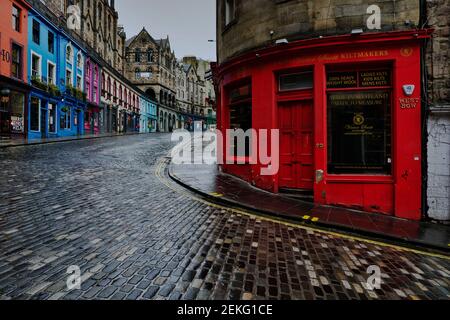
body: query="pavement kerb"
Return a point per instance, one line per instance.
(404, 242)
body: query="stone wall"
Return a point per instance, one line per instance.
(294, 19)
(438, 121)
(439, 166)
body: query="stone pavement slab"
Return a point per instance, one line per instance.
(210, 182)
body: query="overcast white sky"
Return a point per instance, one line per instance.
(189, 23)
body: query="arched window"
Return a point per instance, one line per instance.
(79, 60)
(150, 55)
(96, 73)
(69, 53)
(109, 85)
(103, 83)
(120, 94)
(88, 69)
(115, 90)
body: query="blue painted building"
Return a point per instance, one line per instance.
(148, 115)
(56, 72)
(71, 77)
(42, 74)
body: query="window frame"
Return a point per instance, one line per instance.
(34, 54)
(48, 72)
(357, 88)
(39, 113)
(71, 78)
(243, 101)
(21, 60)
(16, 19)
(55, 108)
(36, 27)
(69, 58)
(291, 73)
(51, 36)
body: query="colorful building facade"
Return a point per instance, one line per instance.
(93, 120)
(71, 76)
(14, 88)
(43, 66)
(148, 115)
(346, 102)
(121, 103)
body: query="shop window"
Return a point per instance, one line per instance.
(52, 118)
(35, 110)
(359, 123)
(16, 18)
(36, 32)
(296, 81)
(65, 118)
(17, 107)
(16, 63)
(240, 115)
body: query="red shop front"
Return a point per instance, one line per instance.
(348, 110)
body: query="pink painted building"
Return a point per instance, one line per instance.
(93, 118)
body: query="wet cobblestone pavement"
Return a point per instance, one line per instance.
(100, 205)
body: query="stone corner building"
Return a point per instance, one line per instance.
(181, 88)
(359, 93)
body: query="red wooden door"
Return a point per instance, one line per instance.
(296, 123)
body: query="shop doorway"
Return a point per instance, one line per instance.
(4, 124)
(296, 123)
(79, 123)
(44, 123)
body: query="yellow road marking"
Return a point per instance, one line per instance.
(306, 217)
(215, 194)
(315, 219)
(163, 180)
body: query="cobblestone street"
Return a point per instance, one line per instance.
(101, 205)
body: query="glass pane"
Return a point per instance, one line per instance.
(359, 132)
(240, 93)
(17, 107)
(52, 118)
(296, 81)
(34, 114)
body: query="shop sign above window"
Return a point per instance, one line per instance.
(361, 79)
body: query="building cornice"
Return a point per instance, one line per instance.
(297, 46)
